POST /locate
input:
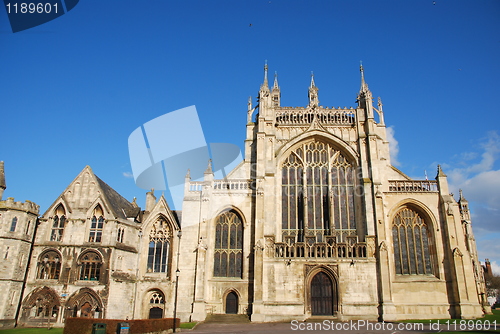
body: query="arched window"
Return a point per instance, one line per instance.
(90, 263)
(97, 223)
(49, 265)
(121, 232)
(13, 224)
(159, 246)
(228, 257)
(317, 195)
(59, 220)
(411, 240)
(156, 304)
(42, 303)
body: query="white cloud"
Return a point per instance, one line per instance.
(393, 146)
(128, 175)
(476, 175)
(495, 267)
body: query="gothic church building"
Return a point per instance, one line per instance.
(314, 222)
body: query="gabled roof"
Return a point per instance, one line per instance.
(118, 206)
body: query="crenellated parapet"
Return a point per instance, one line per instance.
(27, 206)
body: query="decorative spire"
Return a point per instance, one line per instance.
(440, 172)
(462, 198)
(313, 93)
(275, 86)
(209, 167)
(364, 85)
(265, 84)
(312, 80)
(188, 174)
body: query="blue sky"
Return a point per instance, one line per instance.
(74, 89)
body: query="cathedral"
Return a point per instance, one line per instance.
(314, 222)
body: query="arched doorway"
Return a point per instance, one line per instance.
(232, 303)
(322, 295)
(155, 313)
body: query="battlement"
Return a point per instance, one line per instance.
(300, 116)
(27, 206)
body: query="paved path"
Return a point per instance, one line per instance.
(311, 327)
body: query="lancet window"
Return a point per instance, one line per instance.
(90, 264)
(318, 185)
(159, 246)
(411, 241)
(228, 257)
(13, 224)
(59, 220)
(49, 265)
(96, 225)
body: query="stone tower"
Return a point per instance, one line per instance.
(18, 222)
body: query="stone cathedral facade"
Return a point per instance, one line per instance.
(314, 222)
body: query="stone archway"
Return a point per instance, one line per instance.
(232, 303)
(322, 298)
(84, 303)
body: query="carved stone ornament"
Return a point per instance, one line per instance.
(310, 267)
(457, 252)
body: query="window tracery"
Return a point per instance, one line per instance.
(160, 238)
(411, 242)
(90, 264)
(228, 257)
(49, 265)
(318, 185)
(59, 220)
(97, 224)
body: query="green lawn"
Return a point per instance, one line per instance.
(32, 331)
(490, 317)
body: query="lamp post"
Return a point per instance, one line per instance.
(177, 272)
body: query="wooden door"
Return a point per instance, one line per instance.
(232, 303)
(322, 295)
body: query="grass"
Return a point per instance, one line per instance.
(490, 317)
(32, 331)
(184, 325)
(188, 325)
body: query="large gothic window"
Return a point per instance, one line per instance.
(410, 235)
(59, 220)
(97, 224)
(228, 257)
(159, 246)
(49, 265)
(90, 264)
(318, 184)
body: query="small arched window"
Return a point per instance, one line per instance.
(13, 224)
(411, 240)
(96, 225)
(59, 220)
(228, 257)
(90, 263)
(49, 265)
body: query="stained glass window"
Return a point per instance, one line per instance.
(411, 241)
(317, 193)
(228, 257)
